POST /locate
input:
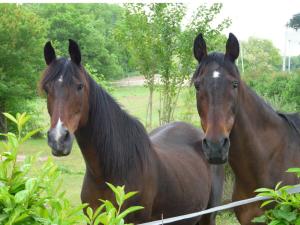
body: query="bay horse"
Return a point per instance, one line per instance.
(259, 143)
(167, 168)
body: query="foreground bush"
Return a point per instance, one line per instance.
(107, 213)
(30, 193)
(287, 206)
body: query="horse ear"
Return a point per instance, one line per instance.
(49, 53)
(232, 48)
(199, 48)
(74, 52)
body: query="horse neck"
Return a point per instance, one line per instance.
(256, 136)
(114, 145)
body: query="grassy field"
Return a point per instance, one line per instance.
(134, 100)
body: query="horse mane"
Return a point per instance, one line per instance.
(293, 119)
(121, 141)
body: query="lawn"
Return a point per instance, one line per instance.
(133, 100)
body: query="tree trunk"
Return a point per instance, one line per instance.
(150, 103)
(150, 106)
(3, 125)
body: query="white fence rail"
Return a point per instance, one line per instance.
(293, 190)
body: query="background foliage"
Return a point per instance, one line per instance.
(120, 40)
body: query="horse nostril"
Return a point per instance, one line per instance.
(66, 135)
(224, 142)
(50, 138)
(205, 143)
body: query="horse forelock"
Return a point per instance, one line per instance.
(220, 60)
(63, 70)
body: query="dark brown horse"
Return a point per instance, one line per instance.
(261, 144)
(167, 168)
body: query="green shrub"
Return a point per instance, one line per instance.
(188, 110)
(287, 206)
(30, 194)
(107, 213)
(36, 109)
(292, 92)
(281, 90)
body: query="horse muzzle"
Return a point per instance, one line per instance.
(216, 152)
(60, 140)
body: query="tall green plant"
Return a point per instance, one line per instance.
(108, 213)
(30, 194)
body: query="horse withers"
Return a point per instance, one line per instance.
(260, 143)
(167, 168)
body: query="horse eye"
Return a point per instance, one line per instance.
(79, 87)
(235, 84)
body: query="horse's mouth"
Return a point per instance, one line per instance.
(60, 153)
(61, 147)
(217, 160)
(60, 150)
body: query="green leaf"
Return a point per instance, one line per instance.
(264, 190)
(260, 219)
(89, 212)
(31, 184)
(130, 194)
(266, 203)
(100, 219)
(98, 211)
(275, 222)
(130, 210)
(30, 134)
(293, 170)
(21, 196)
(10, 117)
(278, 185)
(297, 222)
(113, 188)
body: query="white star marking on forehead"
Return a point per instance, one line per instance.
(216, 74)
(60, 78)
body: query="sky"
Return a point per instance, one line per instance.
(262, 19)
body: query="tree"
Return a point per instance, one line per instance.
(201, 21)
(260, 56)
(295, 62)
(157, 42)
(22, 38)
(175, 47)
(136, 33)
(295, 21)
(92, 26)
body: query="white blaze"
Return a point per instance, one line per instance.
(60, 78)
(216, 74)
(57, 130)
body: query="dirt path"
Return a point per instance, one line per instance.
(134, 81)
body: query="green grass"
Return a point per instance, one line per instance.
(134, 100)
